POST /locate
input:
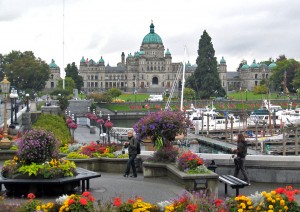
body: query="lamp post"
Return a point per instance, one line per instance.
(5, 84)
(27, 102)
(13, 97)
(16, 108)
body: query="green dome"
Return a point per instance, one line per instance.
(188, 64)
(152, 37)
(129, 55)
(245, 66)
(101, 60)
(142, 52)
(167, 52)
(82, 60)
(254, 65)
(272, 65)
(222, 61)
(53, 64)
(136, 54)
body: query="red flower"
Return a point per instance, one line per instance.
(191, 208)
(108, 124)
(31, 196)
(83, 201)
(69, 121)
(117, 201)
(218, 202)
(72, 126)
(86, 194)
(131, 201)
(100, 121)
(279, 190)
(71, 201)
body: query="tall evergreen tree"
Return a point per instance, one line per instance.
(72, 71)
(205, 80)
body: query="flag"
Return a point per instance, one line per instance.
(87, 61)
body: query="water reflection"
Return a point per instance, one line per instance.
(202, 148)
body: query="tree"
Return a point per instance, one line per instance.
(114, 92)
(63, 102)
(25, 71)
(205, 80)
(189, 93)
(72, 71)
(69, 84)
(286, 74)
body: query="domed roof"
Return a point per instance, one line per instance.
(142, 52)
(222, 61)
(101, 60)
(188, 64)
(53, 64)
(82, 60)
(167, 52)
(152, 37)
(129, 55)
(254, 65)
(272, 65)
(245, 66)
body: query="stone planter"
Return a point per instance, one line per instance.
(190, 182)
(115, 165)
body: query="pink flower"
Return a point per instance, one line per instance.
(108, 124)
(72, 126)
(100, 121)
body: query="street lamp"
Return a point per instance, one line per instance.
(27, 102)
(13, 97)
(5, 84)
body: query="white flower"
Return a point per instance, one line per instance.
(60, 200)
(163, 204)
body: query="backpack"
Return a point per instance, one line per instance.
(138, 148)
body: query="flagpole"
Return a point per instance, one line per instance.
(63, 45)
(183, 81)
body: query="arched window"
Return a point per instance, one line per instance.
(154, 81)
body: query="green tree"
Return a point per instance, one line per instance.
(205, 80)
(69, 84)
(189, 93)
(260, 89)
(72, 71)
(24, 70)
(63, 102)
(114, 92)
(286, 74)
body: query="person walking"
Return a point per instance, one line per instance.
(132, 153)
(239, 160)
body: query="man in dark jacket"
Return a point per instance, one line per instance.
(239, 161)
(132, 152)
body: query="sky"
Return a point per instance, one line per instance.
(66, 30)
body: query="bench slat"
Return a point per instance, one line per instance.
(234, 182)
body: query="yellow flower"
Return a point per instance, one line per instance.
(271, 207)
(249, 202)
(240, 210)
(270, 211)
(273, 192)
(286, 208)
(282, 202)
(38, 208)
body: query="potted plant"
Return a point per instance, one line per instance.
(162, 127)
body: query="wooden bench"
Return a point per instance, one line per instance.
(83, 177)
(234, 182)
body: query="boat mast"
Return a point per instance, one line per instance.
(183, 81)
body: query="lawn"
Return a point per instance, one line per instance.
(139, 97)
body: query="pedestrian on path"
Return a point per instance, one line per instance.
(239, 160)
(132, 153)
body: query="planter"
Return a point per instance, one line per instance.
(115, 165)
(190, 182)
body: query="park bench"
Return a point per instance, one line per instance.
(81, 179)
(233, 182)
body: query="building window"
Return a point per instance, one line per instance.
(52, 76)
(52, 84)
(96, 84)
(154, 81)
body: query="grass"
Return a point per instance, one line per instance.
(139, 97)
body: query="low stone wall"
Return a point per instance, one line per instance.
(186, 180)
(261, 168)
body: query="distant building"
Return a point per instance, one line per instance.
(151, 70)
(52, 83)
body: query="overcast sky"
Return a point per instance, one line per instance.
(239, 29)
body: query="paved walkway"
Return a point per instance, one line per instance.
(152, 190)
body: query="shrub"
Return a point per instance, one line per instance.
(165, 155)
(55, 124)
(76, 155)
(37, 146)
(188, 161)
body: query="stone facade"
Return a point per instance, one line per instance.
(52, 83)
(151, 70)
